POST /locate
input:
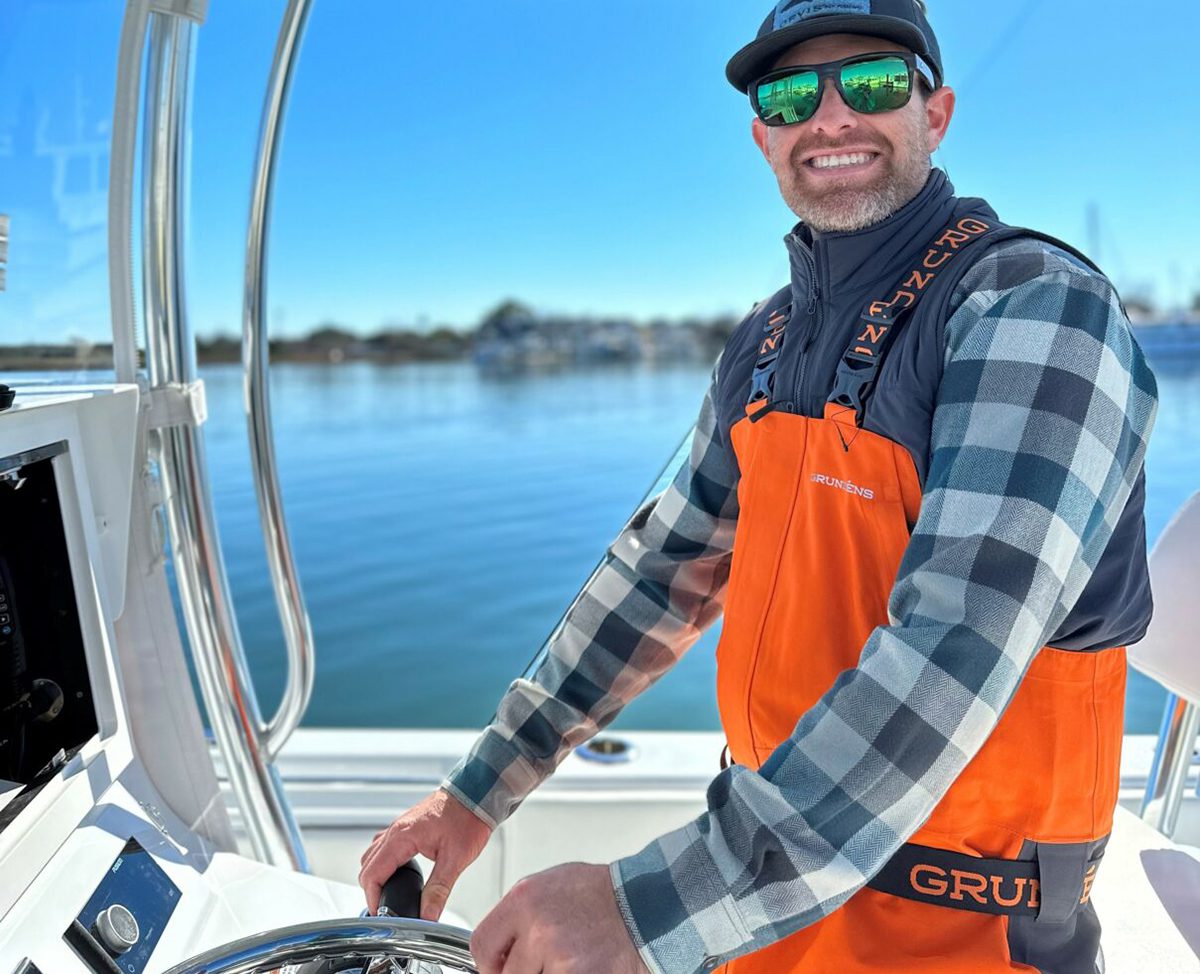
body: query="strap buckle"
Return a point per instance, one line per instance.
(762, 378)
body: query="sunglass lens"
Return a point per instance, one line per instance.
(881, 85)
(786, 101)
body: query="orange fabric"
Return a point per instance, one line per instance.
(826, 513)
(876, 932)
(813, 563)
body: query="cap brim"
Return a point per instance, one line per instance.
(759, 56)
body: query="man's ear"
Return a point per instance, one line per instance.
(760, 133)
(939, 109)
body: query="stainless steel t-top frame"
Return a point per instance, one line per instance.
(1174, 757)
(248, 745)
(297, 629)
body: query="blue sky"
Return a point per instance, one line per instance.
(585, 158)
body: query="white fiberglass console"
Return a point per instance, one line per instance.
(115, 852)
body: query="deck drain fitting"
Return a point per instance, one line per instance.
(607, 750)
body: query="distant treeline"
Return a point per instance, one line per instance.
(509, 324)
(510, 336)
(332, 344)
(56, 358)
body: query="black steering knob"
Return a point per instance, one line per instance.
(401, 895)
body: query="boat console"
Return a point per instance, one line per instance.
(115, 850)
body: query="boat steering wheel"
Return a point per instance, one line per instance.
(387, 944)
(330, 946)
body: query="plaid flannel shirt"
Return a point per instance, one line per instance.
(1039, 432)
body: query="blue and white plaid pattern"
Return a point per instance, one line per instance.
(1039, 433)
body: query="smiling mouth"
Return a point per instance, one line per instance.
(844, 161)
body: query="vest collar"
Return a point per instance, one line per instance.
(827, 262)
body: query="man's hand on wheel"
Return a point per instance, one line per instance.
(562, 920)
(441, 829)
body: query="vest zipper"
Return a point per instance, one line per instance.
(813, 325)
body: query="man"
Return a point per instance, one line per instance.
(915, 491)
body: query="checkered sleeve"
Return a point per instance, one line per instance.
(662, 582)
(1039, 432)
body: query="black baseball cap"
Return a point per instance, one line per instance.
(793, 21)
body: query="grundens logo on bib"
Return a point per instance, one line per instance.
(849, 486)
(790, 11)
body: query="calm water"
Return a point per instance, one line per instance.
(442, 520)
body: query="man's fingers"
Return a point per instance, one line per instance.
(390, 853)
(490, 960)
(446, 871)
(371, 848)
(491, 941)
(440, 828)
(521, 958)
(371, 854)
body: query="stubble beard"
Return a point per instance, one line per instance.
(838, 210)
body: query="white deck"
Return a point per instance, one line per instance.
(1148, 893)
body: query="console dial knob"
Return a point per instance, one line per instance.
(117, 929)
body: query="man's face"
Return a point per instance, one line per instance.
(896, 144)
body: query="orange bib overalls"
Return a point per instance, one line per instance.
(826, 511)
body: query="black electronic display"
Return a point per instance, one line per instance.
(47, 710)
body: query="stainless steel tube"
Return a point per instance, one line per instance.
(203, 588)
(1156, 778)
(1178, 755)
(121, 190)
(365, 937)
(297, 629)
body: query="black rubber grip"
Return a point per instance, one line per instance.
(401, 896)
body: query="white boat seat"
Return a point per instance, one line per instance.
(1170, 653)
(1147, 894)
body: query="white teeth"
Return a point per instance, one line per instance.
(830, 162)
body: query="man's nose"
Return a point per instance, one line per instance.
(833, 115)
